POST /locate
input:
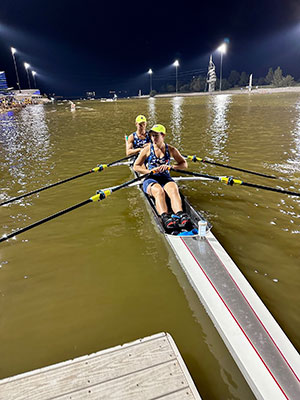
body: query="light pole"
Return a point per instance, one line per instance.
(13, 50)
(33, 76)
(27, 66)
(222, 49)
(150, 72)
(176, 65)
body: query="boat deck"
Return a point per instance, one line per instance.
(260, 348)
(148, 368)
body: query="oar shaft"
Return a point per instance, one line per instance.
(231, 181)
(284, 191)
(102, 194)
(239, 169)
(99, 168)
(42, 221)
(44, 188)
(139, 178)
(194, 158)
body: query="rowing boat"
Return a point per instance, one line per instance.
(262, 351)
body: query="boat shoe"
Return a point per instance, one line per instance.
(170, 224)
(184, 221)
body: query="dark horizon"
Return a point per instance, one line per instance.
(102, 47)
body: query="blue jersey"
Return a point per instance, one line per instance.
(153, 161)
(138, 143)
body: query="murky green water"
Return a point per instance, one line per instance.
(102, 275)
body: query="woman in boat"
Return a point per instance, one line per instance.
(138, 139)
(156, 157)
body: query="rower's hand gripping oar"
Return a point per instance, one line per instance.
(101, 195)
(99, 168)
(195, 159)
(231, 181)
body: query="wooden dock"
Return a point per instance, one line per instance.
(148, 368)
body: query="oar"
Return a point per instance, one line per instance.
(194, 159)
(101, 195)
(99, 168)
(230, 181)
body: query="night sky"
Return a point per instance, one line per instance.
(95, 45)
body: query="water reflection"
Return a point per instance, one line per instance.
(151, 111)
(218, 125)
(295, 150)
(176, 119)
(25, 142)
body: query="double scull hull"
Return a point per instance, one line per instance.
(265, 356)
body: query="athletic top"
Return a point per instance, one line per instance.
(153, 161)
(138, 143)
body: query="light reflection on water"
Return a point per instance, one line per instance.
(25, 144)
(176, 119)
(295, 162)
(107, 266)
(218, 124)
(152, 118)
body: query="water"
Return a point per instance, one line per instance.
(102, 275)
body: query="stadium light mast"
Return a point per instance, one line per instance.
(176, 65)
(27, 66)
(150, 72)
(33, 76)
(222, 49)
(13, 51)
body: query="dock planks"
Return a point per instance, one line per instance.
(148, 368)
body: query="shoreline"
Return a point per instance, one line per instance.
(269, 90)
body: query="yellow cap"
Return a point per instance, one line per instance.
(158, 128)
(140, 118)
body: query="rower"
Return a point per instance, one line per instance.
(156, 156)
(138, 139)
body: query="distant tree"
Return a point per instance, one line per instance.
(225, 84)
(269, 76)
(170, 88)
(153, 93)
(198, 84)
(244, 79)
(234, 78)
(185, 88)
(277, 77)
(288, 81)
(261, 81)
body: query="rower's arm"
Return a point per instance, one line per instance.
(139, 165)
(130, 150)
(180, 161)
